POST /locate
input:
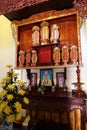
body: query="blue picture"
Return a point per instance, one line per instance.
(46, 77)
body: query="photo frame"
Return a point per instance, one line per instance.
(33, 79)
(60, 79)
(46, 77)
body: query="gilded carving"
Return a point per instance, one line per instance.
(14, 30)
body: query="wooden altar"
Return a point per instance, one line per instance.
(53, 102)
(69, 24)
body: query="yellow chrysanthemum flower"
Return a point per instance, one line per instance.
(20, 82)
(18, 116)
(11, 91)
(10, 96)
(25, 87)
(26, 100)
(27, 119)
(1, 83)
(15, 74)
(1, 110)
(3, 80)
(10, 118)
(8, 78)
(11, 87)
(21, 92)
(3, 104)
(3, 93)
(18, 106)
(9, 66)
(7, 110)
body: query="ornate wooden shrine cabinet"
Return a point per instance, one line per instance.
(50, 40)
(42, 33)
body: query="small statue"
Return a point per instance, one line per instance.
(74, 54)
(65, 54)
(21, 58)
(56, 55)
(44, 33)
(28, 58)
(54, 33)
(35, 36)
(34, 58)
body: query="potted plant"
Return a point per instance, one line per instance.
(12, 98)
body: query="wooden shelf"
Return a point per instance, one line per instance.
(47, 67)
(50, 44)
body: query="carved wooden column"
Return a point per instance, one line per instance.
(79, 92)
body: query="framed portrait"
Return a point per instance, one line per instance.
(46, 77)
(33, 79)
(60, 79)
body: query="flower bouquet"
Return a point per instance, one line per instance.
(13, 97)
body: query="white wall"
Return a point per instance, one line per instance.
(6, 45)
(84, 55)
(71, 72)
(7, 54)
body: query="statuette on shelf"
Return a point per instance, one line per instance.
(65, 54)
(34, 58)
(28, 58)
(74, 54)
(35, 36)
(44, 33)
(21, 58)
(54, 33)
(56, 55)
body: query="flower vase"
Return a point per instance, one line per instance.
(7, 125)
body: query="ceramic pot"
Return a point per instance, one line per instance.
(7, 125)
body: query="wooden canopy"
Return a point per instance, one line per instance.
(13, 5)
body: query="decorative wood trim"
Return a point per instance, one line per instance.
(48, 15)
